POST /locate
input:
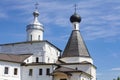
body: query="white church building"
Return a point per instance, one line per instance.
(38, 59)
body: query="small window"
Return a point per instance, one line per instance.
(63, 79)
(6, 70)
(47, 71)
(39, 37)
(40, 71)
(27, 60)
(48, 60)
(30, 72)
(31, 37)
(37, 59)
(75, 26)
(15, 71)
(76, 68)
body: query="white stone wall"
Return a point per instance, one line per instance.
(36, 76)
(77, 59)
(23, 72)
(29, 60)
(93, 73)
(79, 76)
(75, 26)
(10, 75)
(35, 34)
(88, 68)
(84, 77)
(85, 68)
(74, 76)
(51, 54)
(43, 50)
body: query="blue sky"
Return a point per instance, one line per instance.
(100, 27)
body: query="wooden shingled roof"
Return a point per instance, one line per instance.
(68, 71)
(17, 58)
(75, 46)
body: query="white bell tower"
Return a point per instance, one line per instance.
(35, 29)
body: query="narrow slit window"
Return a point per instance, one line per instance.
(47, 71)
(15, 71)
(40, 71)
(31, 37)
(37, 59)
(39, 37)
(30, 72)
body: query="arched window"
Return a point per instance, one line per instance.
(37, 59)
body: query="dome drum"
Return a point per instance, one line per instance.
(33, 26)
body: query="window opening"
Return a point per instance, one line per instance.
(31, 37)
(40, 71)
(39, 37)
(6, 70)
(30, 72)
(37, 59)
(15, 71)
(47, 71)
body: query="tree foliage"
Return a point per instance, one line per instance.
(118, 78)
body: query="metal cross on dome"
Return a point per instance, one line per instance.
(36, 5)
(75, 8)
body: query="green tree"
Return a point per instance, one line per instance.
(118, 78)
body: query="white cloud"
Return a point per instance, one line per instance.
(98, 20)
(112, 17)
(115, 69)
(103, 32)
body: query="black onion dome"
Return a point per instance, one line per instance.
(75, 18)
